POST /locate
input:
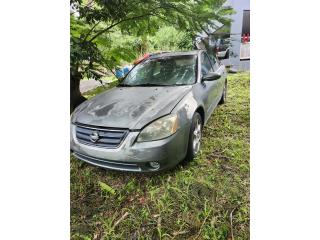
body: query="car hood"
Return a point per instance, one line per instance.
(129, 107)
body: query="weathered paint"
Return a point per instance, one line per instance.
(130, 107)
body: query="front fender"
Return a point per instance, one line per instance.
(186, 108)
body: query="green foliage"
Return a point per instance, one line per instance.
(171, 39)
(194, 201)
(105, 33)
(106, 188)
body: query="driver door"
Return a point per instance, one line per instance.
(210, 87)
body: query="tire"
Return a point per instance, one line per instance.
(194, 135)
(224, 94)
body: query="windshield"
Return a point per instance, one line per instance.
(165, 71)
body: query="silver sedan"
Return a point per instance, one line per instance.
(154, 118)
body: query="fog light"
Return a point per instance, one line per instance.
(154, 165)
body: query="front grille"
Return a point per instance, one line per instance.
(100, 137)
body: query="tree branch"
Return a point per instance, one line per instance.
(162, 18)
(115, 24)
(90, 31)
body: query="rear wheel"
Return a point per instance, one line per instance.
(194, 137)
(224, 94)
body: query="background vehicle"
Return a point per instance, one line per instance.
(154, 118)
(222, 48)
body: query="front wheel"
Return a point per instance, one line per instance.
(194, 136)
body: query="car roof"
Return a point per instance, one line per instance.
(172, 54)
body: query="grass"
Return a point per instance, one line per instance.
(205, 199)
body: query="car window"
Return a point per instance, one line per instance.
(215, 63)
(171, 70)
(212, 59)
(205, 64)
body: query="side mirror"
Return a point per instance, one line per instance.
(211, 76)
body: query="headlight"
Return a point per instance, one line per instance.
(161, 128)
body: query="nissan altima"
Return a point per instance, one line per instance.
(154, 118)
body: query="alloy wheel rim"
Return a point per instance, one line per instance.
(197, 136)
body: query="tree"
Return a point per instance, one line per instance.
(171, 39)
(92, 22)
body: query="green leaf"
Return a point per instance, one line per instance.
(106, 188)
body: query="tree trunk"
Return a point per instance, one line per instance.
(75, 95)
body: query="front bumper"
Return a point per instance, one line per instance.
(133, 156)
